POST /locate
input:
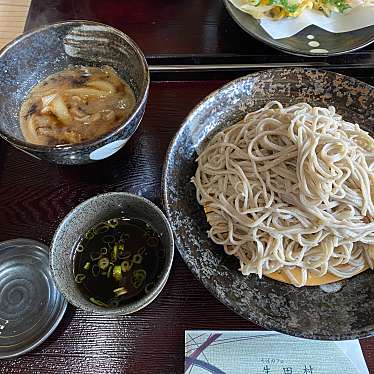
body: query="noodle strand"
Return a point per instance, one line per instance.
(291, 188)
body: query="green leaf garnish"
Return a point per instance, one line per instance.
(341, 5)
(290, 8)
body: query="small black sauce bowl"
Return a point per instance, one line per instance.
(85, 216)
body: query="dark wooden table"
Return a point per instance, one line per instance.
(35, 196)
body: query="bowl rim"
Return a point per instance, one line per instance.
(143, 301)
(274, 44)
(59, 313)
(367, 331)
(72, 147)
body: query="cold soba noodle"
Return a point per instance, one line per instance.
(76, 105)
(290, 189)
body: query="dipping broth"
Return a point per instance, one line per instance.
(76, 105)
(118, 261)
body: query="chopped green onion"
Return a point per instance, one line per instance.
(137, 258)
(98, 302)
(95, 255)
(101, 229)
(148, 287)
(109, 273)
(126, 266)
(140, 273)
(90, 234)
(137, 283)
(104, 250)
(114, 253)
(141, 250)
(121, 248)
(87, 266)
(103, 263)
(120, 291)
(124, 255)
(79, 278)
(124, 237)
(113, 222)
(109, 239)
(138, 277)
(80, 248)
(117, 273)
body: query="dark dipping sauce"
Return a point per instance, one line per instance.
(118, 261)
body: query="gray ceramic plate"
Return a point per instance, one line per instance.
(343, 310)
(333, 44)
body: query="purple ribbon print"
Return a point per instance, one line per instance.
(192, 359)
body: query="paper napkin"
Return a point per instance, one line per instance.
(269, 352)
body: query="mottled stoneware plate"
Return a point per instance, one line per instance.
(329, 43)
(342, 310)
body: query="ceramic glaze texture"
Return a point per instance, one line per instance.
(31, 307)
(329, 43)
(50, 49)
(88, 214)
(310, 312)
